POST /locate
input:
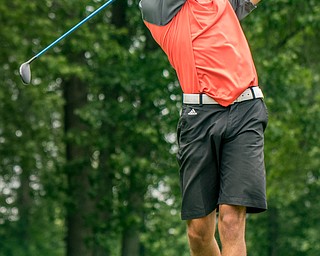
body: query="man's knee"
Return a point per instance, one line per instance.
(232, 221)
(199, 235)
(201, 231)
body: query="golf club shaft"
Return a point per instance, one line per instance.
(71, 30)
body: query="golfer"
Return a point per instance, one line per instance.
(221, 128)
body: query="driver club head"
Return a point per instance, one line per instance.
(25, 72)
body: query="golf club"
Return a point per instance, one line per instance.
(25, 71)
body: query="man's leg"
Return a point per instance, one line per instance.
(231, 224)
(201, 236)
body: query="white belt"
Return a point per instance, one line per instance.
(249, 94)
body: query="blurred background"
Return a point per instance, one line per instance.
(87, 151)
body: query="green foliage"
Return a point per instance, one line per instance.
(127, 126)
(283, 40)
(30, 135)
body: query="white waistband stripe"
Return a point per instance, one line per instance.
(249, 94)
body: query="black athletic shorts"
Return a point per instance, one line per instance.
(221, 157)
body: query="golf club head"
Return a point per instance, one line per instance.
(25, 73)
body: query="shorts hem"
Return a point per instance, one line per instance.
(196, 215)
(253, 206)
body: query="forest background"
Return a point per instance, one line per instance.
(87, 151)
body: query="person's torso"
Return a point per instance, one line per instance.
(205, 44)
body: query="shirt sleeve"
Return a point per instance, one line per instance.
(160, 12)
(242, 7)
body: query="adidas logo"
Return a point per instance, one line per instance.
(192, 113)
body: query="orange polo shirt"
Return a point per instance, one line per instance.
(206, 46)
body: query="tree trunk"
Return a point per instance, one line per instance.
(25, 202)
(131, 245)
(119, 14)
(130, 242)
(78, 168)
(103, 202)
(273, 232)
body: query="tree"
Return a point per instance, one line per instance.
(87, 163)
(288, 73)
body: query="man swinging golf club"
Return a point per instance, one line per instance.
(221, 128)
